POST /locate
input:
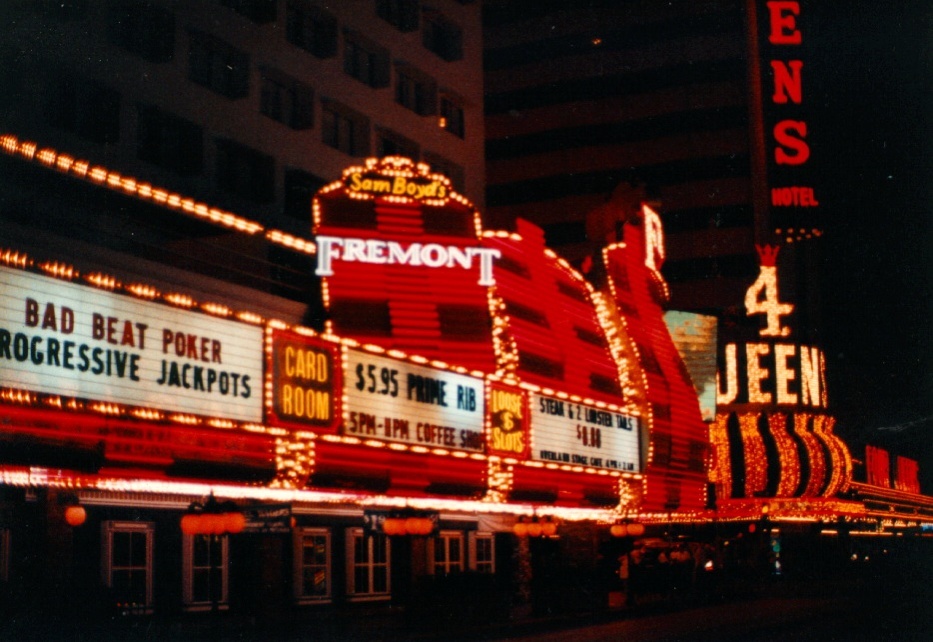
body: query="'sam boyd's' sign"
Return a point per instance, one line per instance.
(403, 402)
(570, 433)
(67, 339)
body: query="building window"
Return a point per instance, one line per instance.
(452, 115)
(310, 28)
(401, 14)
(312, 565)
(344, 129)
(245, 172)
(259, 11)
(482, 552)
(365, 61)
(415, 90)
(368, 565)
(448, 168)
(142, 29)
(169, 141)
(390, 143)
(126, 563)
(216, 65)
(300, 188)
(448, 553)
(286, 100)
(85, 108)
(206, 564)
(441, 36)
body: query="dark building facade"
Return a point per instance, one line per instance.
(667, 96)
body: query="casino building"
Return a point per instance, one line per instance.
(464, 381)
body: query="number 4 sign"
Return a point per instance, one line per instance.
(762, 296)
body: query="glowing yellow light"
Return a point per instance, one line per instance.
(756, 373)
(762, 297)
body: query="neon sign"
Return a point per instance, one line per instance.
(68, 339)
(381, 185)
(790, 146)
(789, 135)
(379, 252)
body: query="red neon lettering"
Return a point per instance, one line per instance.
(798, 196)
(784, 23)
(787, 83)
(790, 134)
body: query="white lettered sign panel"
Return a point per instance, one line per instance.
(575, 434)
(68, 339)
(403, 402)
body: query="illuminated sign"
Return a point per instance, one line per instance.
(508, 422)
(907, 475)
(403, 402)
(580, 435)
(306, 381)
(377, 184)
(66, 339)
(762, 296)
(379, 252)
(781, 373)
(790, 149)
(877, 466)
(773, 373)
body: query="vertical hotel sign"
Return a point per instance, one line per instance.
(62, 338)
(787, 77)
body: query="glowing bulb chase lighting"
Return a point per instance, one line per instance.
(301, 411)
(779, 395)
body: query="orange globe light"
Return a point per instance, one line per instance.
(190, 524)
(235, 522)
(392, 526)
(415, 525)
(636, 530)
(534, 529)
(219, 524)
(206, 524)
(427, 525)
(520, 529)
(618, 530)
(549, 528)
(75, 515)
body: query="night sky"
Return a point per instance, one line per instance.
(873, 102)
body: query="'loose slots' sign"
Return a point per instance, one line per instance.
(403, 402)
(579, 435)
(66, 339)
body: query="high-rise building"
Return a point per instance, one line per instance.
(582, 100)
(247, 106)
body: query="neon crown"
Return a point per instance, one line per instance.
(767, 254)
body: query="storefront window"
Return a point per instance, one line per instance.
(312, 565)
(483, 558)
(368, 573)
(127, 564)
(206, 571)
(448, 553)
